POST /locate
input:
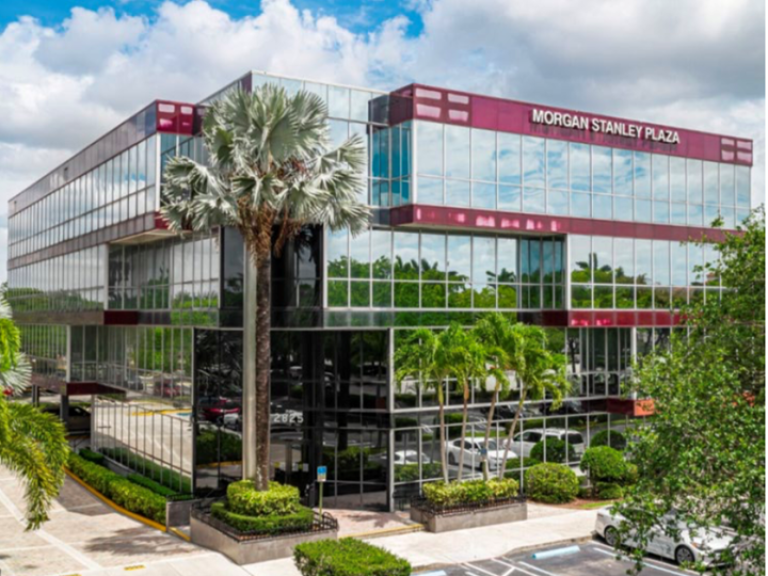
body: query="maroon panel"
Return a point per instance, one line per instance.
(453, 107)
(88, 388)
(476, 219)
(121, 317)
(175, 117)
(603, 318)
(629, 407)
(625, 318)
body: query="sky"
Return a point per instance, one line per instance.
(70, 71)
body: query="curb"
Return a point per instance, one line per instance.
(115, 506)
(520, 550)
(384, 532)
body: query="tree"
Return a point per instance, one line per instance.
(539, 372)
(270, 172)
(32, 444)
(701, 455)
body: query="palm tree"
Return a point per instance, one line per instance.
(539, 373)
(32, 444)
(270, 171)
(422, 357)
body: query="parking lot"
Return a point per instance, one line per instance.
(592, 559)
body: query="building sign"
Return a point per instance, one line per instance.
(604, 126)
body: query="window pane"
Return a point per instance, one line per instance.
(509, 158)
(602, 260)
(459, 268)
(580, 258)
(678, 214)
(623, 208)
(507, 260)
(695, 182)
(337, 254)
(533, 200)
(642, 174)
(580, 205)
(533, 161)
(510, 198)
(457, 192)
(643, 262)
(483, 195)
(484, 259)
(406, 255)
(661, 211)
(601, 207)
(743, 193)
(433, 256)
(430, 148)
(677, 179)
(695, 215)
(623, 251)
(660, 177)
(643, 210)
(622, 172)
(601, 166)
(661, 276)
(711, 195)
(679, 264)
(484, 155)
(711, 213)
(580, 167)
(430, 191)
(727, 190)
(557, 202)
(381, 253)
(557, 164)
(338, 102)
(359, 258)
(456, 151)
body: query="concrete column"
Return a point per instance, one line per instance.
(249, 368)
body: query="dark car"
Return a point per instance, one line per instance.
(79, 419)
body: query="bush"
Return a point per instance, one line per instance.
(300, 520)
(120, 490)
(630, 474)
(92, 456)
(551, 483)
(410, 472)
(618, 440)
(604, 464)
(608, 491)
(555, 451)
(244, 499)
(149, 469)
(470, 491)
(211, 447)
(150, 484)
(347, 557)
(517, 463)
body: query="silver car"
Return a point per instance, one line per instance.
(706, 546)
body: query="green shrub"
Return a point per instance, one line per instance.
(584, 492)
(630, 474)
(604, 464)
(555, 451)
(551, 483)
(244, 499)
(347, 557)
(211, 447)
(150, 484)
(150, 469)
(517, 463)
(92, 456)
(120, 490)
(300, 520)
(618, 440)
(410, 472)
(470, 491)
(608, 491)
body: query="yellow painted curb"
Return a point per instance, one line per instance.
(388, 531)
(217, 464)
(117, 507)
(180, 534)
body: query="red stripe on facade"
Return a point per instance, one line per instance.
(496, 221)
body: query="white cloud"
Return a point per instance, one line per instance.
(691, 63)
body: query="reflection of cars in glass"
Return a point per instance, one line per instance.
(525, 441)
(78, 420)
(705, 546)
(166, 389)
(409, 457)
(473, 452)
(217, 411)
(233, 421)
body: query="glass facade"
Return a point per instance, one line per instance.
(155, 320)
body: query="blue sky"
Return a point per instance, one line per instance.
(76, 69)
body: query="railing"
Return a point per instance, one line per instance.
(202, 511)
(421, 503)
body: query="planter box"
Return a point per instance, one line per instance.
(177, 512)
(469, 517)
(247, 550)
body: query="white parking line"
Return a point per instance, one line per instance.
(468, 565)
(511, 568)
(645, 563)
(537, 569)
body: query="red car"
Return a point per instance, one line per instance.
(215, 412)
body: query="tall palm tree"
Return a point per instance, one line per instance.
(32, 444)
(270, 171)
(539, 373)
(422, 357)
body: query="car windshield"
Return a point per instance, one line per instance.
(492, 445)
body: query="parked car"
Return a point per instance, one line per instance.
(706, 546)
(79, 419)
(473, 452)
(525, 441)
(217, 411)
(409, 457)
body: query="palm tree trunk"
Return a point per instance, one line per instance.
(464, 412)
(510, 435)
(248, 415)
(488, 425)
(443, 445)
(263, 359)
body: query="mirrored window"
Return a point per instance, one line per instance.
(456, 151)
(727, 189)
(580, 258)
(510, 198)
(622, 172)
(533, 200)
(459, 258)
(695, 182)
(581, 204)
(623, 208)
(580, 167)
(433, 256)
(661, 275)
(601, 166)
(507, 259)
(381, 253)
(483, 195)
(484, 155)
(743, 192)
(484, 259)
(679, 264)
(533, 161)
(430, 191)
(711, 183)
(429, 147)
(601, 207)
(406, 255)
(677, 189)
(660, 177)
(557, 202)
(557, 164)
(624, 258)
(642, 166)
(509, 158)
(457, 192)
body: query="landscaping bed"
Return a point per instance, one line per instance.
(469, 504)
(348, 557)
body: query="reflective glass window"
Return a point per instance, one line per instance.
(622, 172)
(727, 189)
(601, 167)
(507, 265)
(661, 275)
(678, 214)
(711, 213)
(661, 211)
(743, 192)
(557, 164)
(580, 258)
(338, 102)
(510, 198)
(695, 214)
(509, 158)
(430, 191)
(456, 151)
(602, 260)
(338, 254)
(601, 207)
(642, 169)
(533, 161)
(406, 255)
(557, 202)
(433, 256)
(429, 148)
(711, 184)
(484, 155)
(677, 189)
(483, 195)
(483, 259)
(660, 177)
(457, 192)
(643, 210)
(643, 262)
(459, 258)
(679, 264)
(695, 182)
(359, 256)
(359, 105)
(624, 260)
(533, 200)
(581, 204)
(623, 208)
(580, 167)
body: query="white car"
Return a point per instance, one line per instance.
(409, 457)
(473, 448)
(525, 441)
(705, 546)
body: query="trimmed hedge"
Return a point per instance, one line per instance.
(347, 557)
(618, 440)
(91, 456)
(410, 472)
(555, 451)
(150, 484)
(120, 490)
(470, 491)
(604, 464)
(608, 491)
(150, 469)
(243, 498)
(224, 448)
(300, 520)
(517, 463)
(551, 483)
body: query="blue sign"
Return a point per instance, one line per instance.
(322, 472)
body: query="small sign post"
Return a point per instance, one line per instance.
(322, 473)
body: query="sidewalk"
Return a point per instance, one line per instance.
(545, 525)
